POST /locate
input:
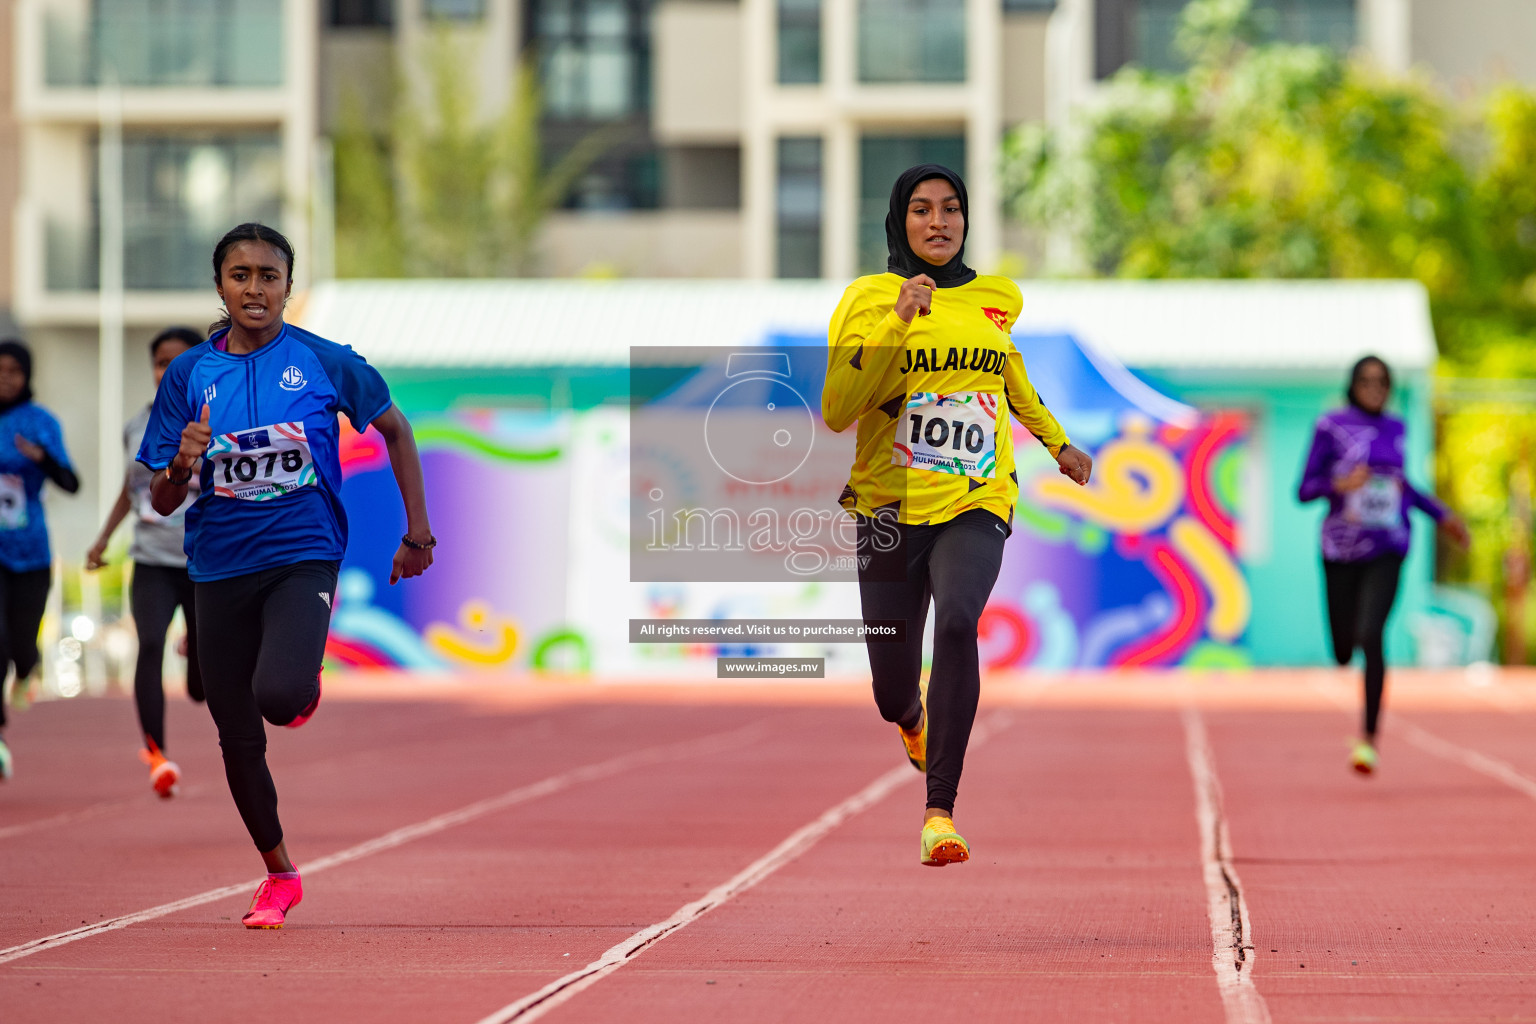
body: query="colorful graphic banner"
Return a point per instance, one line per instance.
(533, 516)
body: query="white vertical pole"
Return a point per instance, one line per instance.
(323, 230)
(984, 131)
(759, 154)
(109, 403)
(840, 172)
(840, 198)
(1386, 29)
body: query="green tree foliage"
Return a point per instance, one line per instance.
(445, 191)
(1258, 161)
(1281, 161)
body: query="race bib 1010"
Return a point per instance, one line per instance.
(955, 433)
(1375, 505)
(13, 502)
(262, 463)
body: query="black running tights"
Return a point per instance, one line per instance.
(261, 638)
(954, 565)
(1360, 596)
(158, 590)
(23, 596)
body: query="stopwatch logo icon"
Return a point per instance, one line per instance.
(759, 429)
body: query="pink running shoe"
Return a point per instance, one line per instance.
(274, 898)
(308, 712)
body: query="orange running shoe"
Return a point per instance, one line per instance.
(163, 772)
(942, 844)
(274, 897)
(917, 742)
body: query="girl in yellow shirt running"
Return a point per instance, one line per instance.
(921, 356)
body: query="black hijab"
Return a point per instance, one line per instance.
(902, 259)
(23, 355)
(1354, 375)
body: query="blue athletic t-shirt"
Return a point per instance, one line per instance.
(23, 531)
(271, 476)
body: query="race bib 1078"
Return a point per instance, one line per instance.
(262, 463)
(955, 433)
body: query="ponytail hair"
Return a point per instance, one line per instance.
(247, 232)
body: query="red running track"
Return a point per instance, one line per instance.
(592, 813)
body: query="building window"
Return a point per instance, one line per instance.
(594, 57)
(594, 60)
(911, 41)
(1010, 6)
(180, 194)
(1142, 32)
(799, 207)
(882, 158)
(454, 10)
(799, 42)
(356, 13)
(178, 43)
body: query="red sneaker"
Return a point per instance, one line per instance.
(274, 898)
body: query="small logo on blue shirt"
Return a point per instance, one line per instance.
(252, 440)
(209, 393)
(293, 379)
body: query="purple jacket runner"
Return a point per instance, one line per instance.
(1373, 520)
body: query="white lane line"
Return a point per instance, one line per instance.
(1232, 952)
(1428, 742)
(536, 1004)
(1489, 766)
(716, 743)
(95, 810)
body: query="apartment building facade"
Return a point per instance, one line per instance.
(760, 135)
(754, 138)
(139, 130)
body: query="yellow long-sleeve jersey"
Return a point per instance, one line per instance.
(932, 399)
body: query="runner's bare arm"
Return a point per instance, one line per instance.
(404, 459)
(94, 558)
(165, 494)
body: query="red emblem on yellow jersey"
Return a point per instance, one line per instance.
(998, 317)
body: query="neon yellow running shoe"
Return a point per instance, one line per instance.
(1363, 758)
(917, 742)
(942, 844)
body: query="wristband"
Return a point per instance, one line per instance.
(406, 540)
(173, 481)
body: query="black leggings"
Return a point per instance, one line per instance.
(158, 590)
(261, 639)
(954, 564)
(1360, 596)
(23, 596)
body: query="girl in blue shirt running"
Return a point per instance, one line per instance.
(31, 453)
(257, 404)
